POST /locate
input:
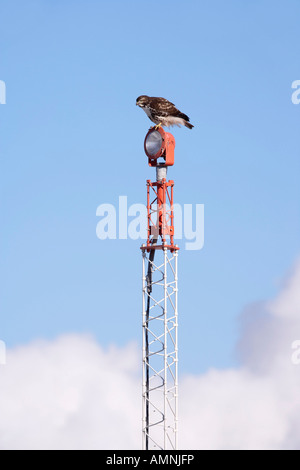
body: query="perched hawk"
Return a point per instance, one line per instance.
(162, 112)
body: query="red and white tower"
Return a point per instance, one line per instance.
(160, 289)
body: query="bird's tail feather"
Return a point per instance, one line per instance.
(185, 119)
(188, 125)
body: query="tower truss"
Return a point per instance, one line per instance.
(160, 350)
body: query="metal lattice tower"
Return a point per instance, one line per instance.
(160, 352)
(160, 314)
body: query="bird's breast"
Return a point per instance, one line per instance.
(148, 112)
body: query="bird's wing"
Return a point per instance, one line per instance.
(163, 107)
(171, 110)
(166, 103)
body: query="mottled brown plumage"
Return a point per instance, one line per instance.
(163, 112)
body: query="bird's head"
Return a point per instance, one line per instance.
(142, 101)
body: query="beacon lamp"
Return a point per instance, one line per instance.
(159, 144)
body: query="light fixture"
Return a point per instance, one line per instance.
(159, 144)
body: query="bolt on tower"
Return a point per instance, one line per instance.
(160, 288)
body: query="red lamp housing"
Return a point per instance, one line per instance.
(159, 143)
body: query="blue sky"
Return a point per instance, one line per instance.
(72, 139)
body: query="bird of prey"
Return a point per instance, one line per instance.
(162, 112)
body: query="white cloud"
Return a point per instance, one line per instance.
(72, 394)
(256, 406)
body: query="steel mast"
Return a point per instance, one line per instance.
(160, 288)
